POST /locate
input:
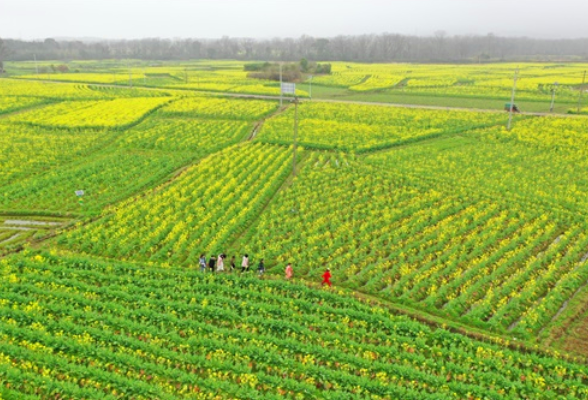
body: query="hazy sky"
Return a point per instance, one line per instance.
(36, 19)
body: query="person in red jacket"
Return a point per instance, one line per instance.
(327, 277)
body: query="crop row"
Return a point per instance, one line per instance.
(199, 212)
(74, 327)
(469, 257)
(15, 230)
(503, 169)
(198, 136)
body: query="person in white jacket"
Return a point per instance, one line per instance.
(245, 263)
(220, 264)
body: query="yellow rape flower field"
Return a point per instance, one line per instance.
(220, 108)
(365, 127)
(13, 103)
(385, 76)
(92, 114)
(458, 248)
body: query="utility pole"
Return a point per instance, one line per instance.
(295, 136)
(514, 88)
(280, 84)
(310, 87)
(36, 66)
(553, 89)
(144, 77)
(581, 92)
(130, 75)
(186, 75)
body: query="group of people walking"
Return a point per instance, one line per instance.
(217, 264)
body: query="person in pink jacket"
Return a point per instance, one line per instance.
(289, 271)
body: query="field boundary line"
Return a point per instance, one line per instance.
(259, 124)
(26, 109)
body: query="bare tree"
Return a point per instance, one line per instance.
(4, 53)
(366, 48)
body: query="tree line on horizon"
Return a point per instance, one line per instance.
(364, 48)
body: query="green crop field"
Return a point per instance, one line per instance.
(80, 328)
(482, 86)
(458, 248)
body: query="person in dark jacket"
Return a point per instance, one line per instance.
(261, 268)
(212, 263)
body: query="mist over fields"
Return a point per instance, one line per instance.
(264, 19)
